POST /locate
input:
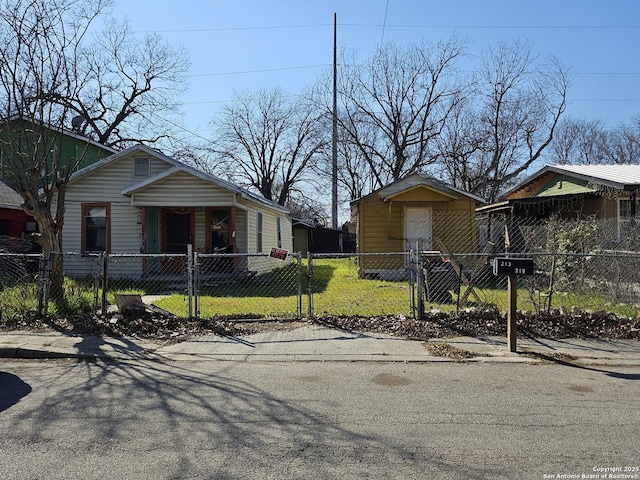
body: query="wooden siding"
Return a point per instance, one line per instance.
(201, 230)
(381, 227)
(269, 236)
(531, 189)
(125, 230)
(241, 231)
(420, 194)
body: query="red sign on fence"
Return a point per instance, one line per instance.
(279, 253)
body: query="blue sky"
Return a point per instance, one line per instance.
(248, 45)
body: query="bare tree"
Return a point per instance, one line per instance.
(395, 105)
(268, 141)
(459, 146)
(41, 39)
(517, 104)
(51, 80)
(624, 143)
(578, 141)
(523, 100)
(127, 86)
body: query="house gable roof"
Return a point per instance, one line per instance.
(579, 179)
(121, 154)
(417, 181)
(177, 167)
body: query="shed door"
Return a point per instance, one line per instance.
(417, 227)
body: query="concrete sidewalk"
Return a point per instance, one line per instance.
(317, 343)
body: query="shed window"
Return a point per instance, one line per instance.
(625, 216)
(624, 209)
(96, 227)
(141, 168)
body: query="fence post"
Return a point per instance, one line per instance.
(96, 282)
(309, 285)
(551, 280)
(420, 279)
(412, 282)
(196, 285)
(43, 284)
(298, 256)
(105, 281)
(190, 280)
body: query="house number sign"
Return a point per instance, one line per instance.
(512, 266)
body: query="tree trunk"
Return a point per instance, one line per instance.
(50, 239)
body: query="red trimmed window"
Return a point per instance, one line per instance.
(96, 227)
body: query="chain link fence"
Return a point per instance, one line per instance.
(578, 266)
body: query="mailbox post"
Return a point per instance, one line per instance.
(512, 267)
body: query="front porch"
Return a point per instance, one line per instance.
(170, 230)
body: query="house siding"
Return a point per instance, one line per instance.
(269, 237)
(186, 191)
(381, 224)
(179, 190)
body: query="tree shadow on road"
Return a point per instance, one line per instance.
(568, 363)
(12, 390)
(209, 424)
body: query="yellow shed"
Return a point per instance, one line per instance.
(415, 212)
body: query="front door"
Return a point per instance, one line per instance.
(418, 228)
(177, 234)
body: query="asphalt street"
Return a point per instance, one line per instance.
(200, 419)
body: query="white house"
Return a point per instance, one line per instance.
(139, 200)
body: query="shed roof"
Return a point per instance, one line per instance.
(416, 180)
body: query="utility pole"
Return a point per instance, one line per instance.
(334, 152)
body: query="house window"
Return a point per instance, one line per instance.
(141, 168)
(259, 232)
(96, 218)
(279, 230)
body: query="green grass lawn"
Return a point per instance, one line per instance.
(337, 290)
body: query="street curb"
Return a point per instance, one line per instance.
(33, 354)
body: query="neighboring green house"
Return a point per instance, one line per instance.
(73, 147)
(14, 221)
(607, 193)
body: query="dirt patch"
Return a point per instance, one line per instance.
(443, 349)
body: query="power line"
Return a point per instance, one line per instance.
(241, 72)
(235, 29)
(385, 25)
(519, 27)
(386, 9)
